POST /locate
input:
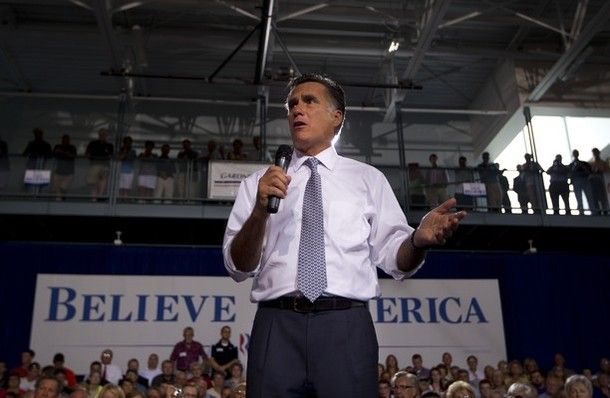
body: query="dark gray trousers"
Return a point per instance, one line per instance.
(326, 354)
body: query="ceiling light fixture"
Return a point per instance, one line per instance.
(393, 46)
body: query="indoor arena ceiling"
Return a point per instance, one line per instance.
(229, 49)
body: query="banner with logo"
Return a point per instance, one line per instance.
(224, 177)
(81, 315)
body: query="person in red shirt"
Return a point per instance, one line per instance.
(58, 362)
(187, 351)
(27, 357)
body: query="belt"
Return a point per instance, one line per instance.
(303, 305)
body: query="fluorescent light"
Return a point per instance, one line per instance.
(393, 46)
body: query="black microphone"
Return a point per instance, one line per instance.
(282, 159)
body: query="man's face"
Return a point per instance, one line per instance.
(26, 358)
(447, 359)
(537, 379)
(189, 392)
(47, 388)
(218, 379)
(485, 389)
(578, 390)
(106, 357)
(403, 388)
(472, 363)
(153, 361)
(167, 368)
(384, 390)
(225, 333)
(188, 334)
(552, 385)
(559, 360)
(417, 363)
(312, 118)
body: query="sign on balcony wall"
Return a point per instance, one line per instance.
(224, 177)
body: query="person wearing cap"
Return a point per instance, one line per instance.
(58, 363)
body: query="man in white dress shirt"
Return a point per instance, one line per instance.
(110, 371)
(328, 347)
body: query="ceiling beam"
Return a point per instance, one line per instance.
(101, 9)
(524, 29)
(102, 97)
(263, 42)
(597, 23)
(13, 69)
(436, 13)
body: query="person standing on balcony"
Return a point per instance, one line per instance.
(579, 176)
(65, 156)
(490, 176)
(559, 184)
(99, 153)
(599, 195)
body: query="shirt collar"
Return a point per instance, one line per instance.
(328, 158)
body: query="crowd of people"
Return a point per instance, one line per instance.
(189, 372)
(429, 186)
(146, 174)
(514, 379)
(157, 175)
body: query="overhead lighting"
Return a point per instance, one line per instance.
(393, 46)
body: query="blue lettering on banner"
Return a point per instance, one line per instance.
(428, 310)
(219, 309)
(67, 304)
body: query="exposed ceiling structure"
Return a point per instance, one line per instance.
(449, 65)
(434, 57)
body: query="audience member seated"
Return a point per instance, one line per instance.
(111, 391)
(218, 382)
(27, 357)
(12, 387)
(152, 368)
(404, 385)
(28, 383)
(166, 376)
(58, 363)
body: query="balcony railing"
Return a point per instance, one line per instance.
(185, 183)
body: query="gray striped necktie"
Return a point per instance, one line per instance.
(311, 273)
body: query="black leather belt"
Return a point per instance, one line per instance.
(303, 305)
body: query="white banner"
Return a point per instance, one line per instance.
(37, 177)
(80, 315)
(224, 177)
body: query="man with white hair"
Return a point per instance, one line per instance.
(404, 385)
(520, 390)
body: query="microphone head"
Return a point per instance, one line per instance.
(283, 151)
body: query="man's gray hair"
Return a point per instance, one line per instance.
(521, 390)
(410, 376)
(575, 379)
